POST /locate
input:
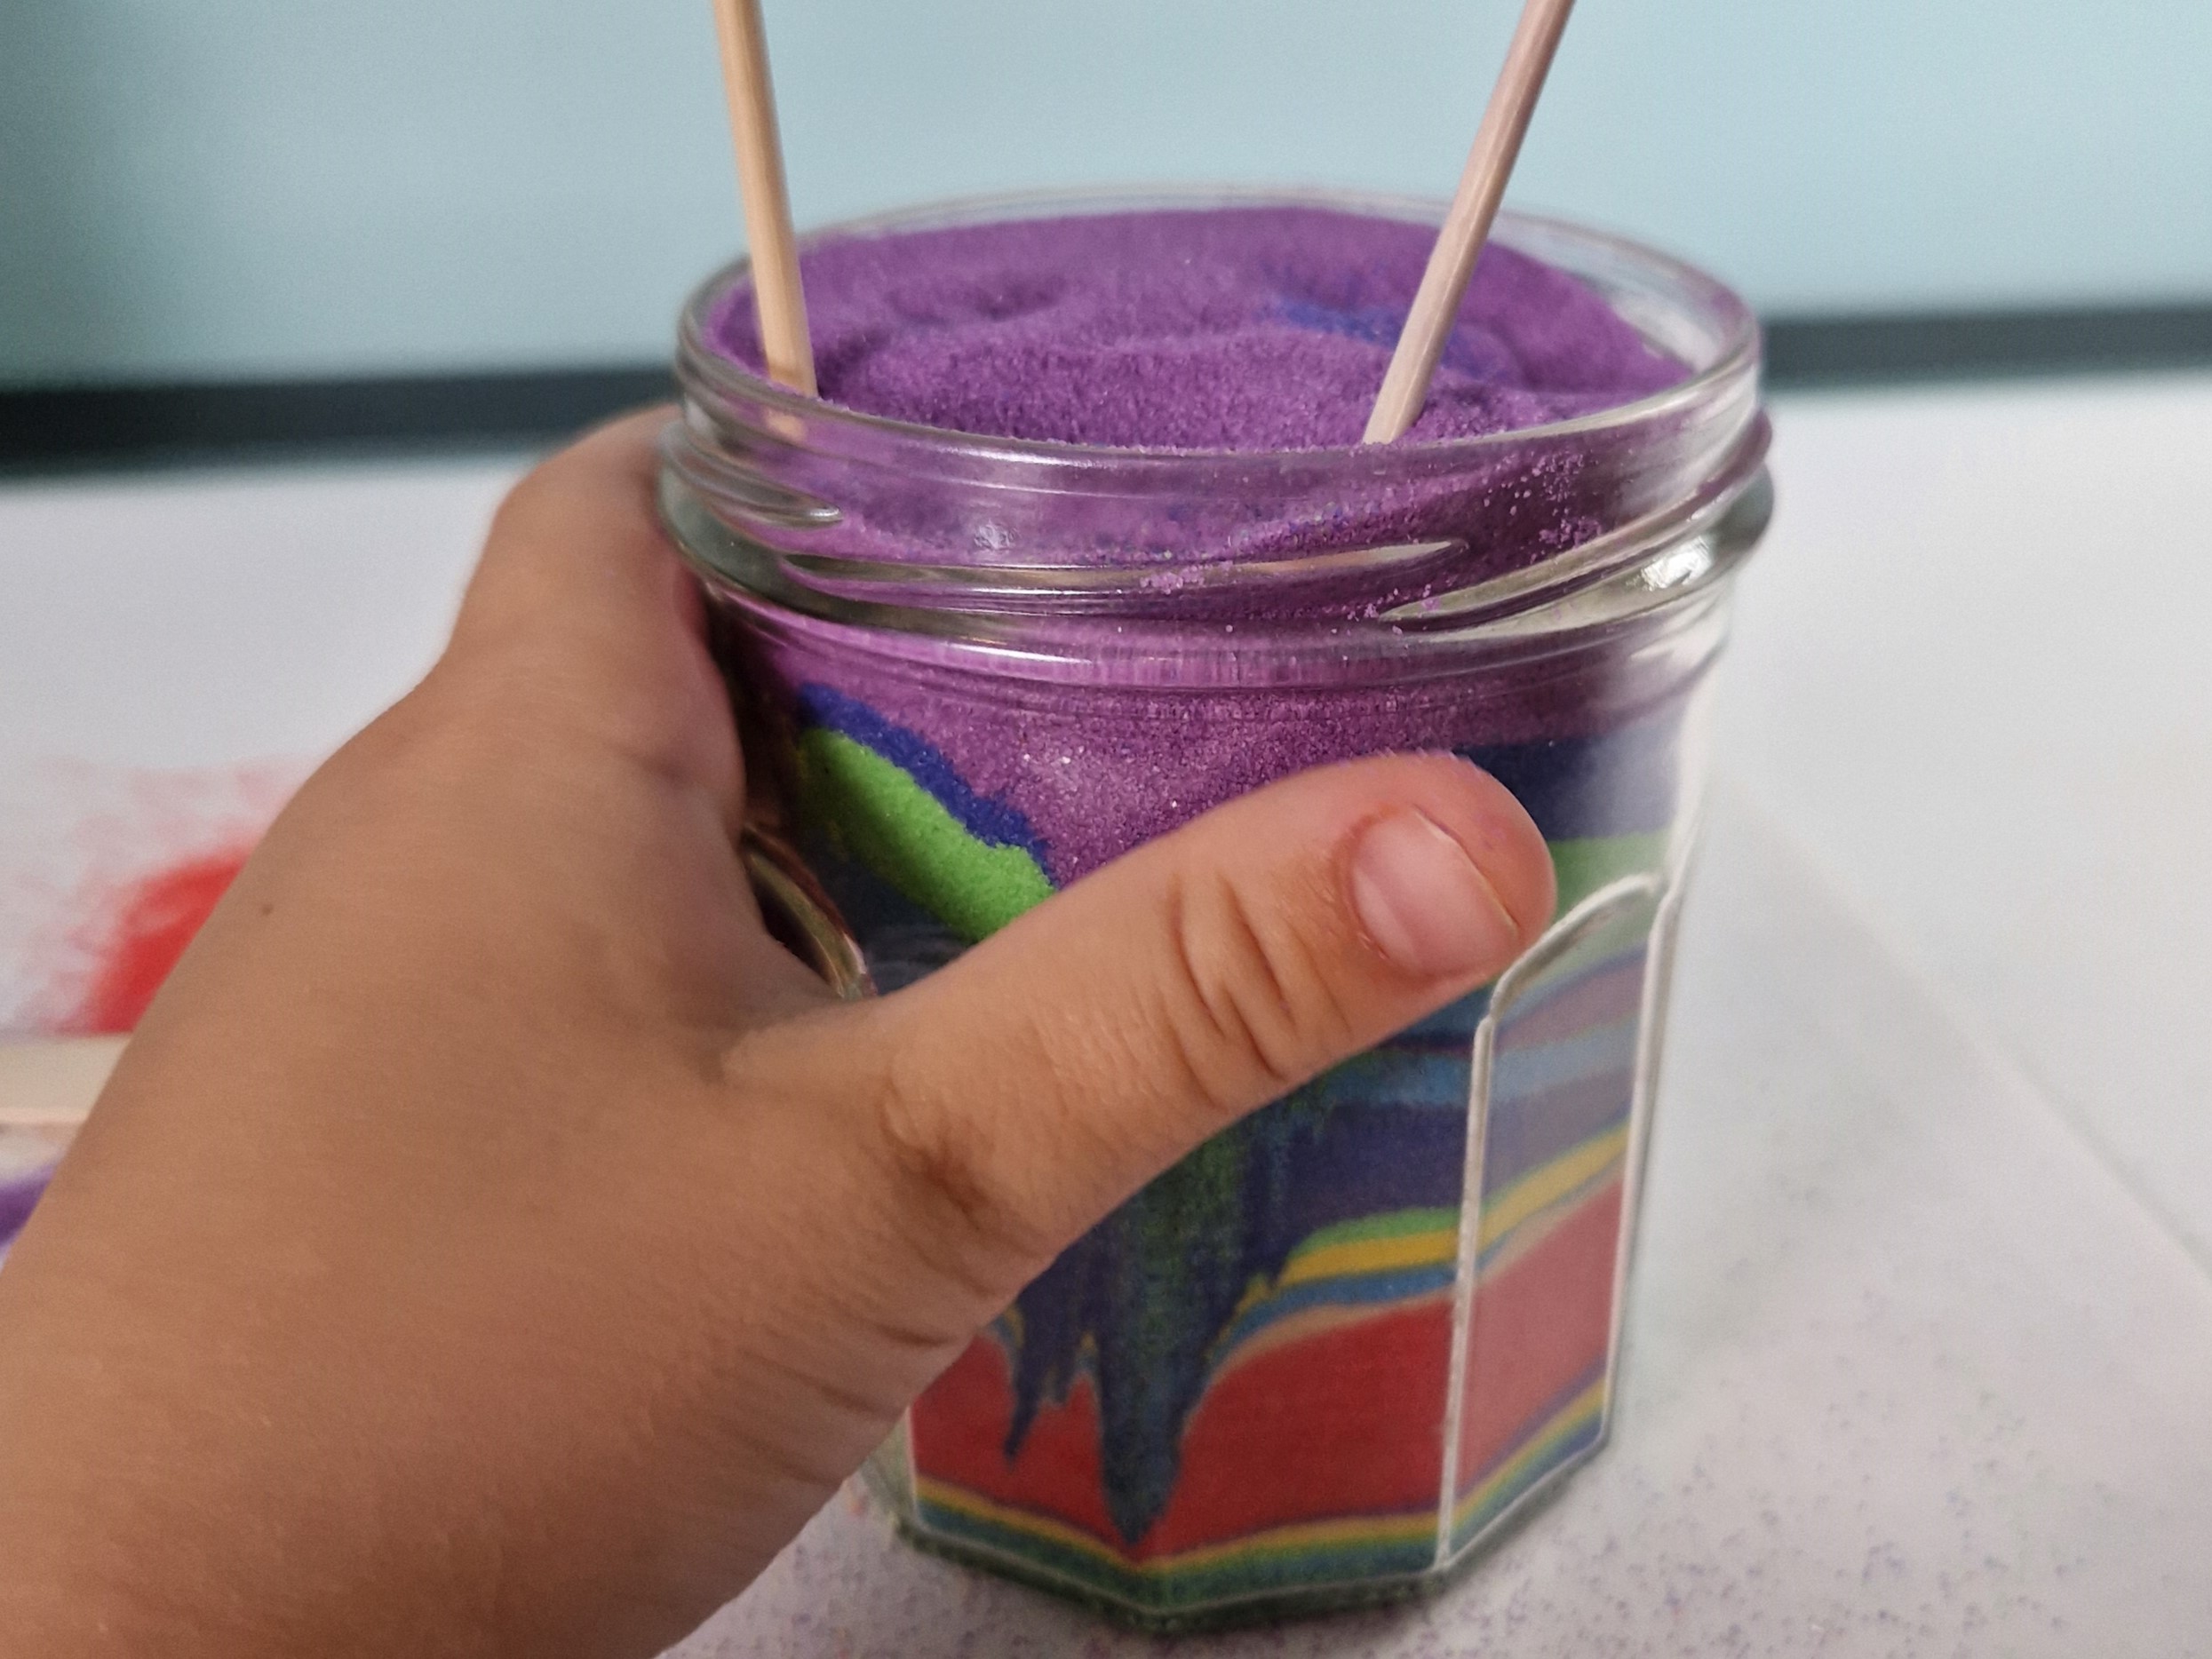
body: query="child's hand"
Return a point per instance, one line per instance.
(492, 1242)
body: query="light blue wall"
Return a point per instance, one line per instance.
(269, 186)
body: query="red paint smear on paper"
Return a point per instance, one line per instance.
(149, 924)
(120, 866)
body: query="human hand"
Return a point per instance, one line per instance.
(493, 1243)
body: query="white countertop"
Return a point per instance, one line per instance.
(1972, 674)
(1922, 1349)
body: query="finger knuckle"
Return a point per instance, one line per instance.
(970, 1222)
(1249, 1008)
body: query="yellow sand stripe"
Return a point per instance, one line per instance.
(962, 1502)
(1429, 1249)
(1303, 1535)
(1547, 1185)
(1532, 1235)
(1577, 1415)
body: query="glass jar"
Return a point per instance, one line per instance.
(1332, 1351)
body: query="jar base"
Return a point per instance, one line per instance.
(1273, 1607)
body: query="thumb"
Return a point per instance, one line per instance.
(1033, 1085)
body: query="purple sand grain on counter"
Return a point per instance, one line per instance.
(1247, 330)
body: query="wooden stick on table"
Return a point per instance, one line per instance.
(1467, 227)
(49, 1084)
(776, 297)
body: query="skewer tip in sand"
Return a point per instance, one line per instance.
(777, 299)
(1467, 227)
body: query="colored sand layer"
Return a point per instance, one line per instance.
(1238, 1385)
(1256, 328)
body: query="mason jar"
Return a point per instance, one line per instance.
(1332, 1351)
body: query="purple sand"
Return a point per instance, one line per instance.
(1243, 328)
(1092, 771)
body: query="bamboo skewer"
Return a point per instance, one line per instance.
(1467, 227)
(777, 299)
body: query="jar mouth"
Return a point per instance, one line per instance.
(1048, 552)
(1731, 349)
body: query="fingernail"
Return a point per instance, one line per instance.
(1423, 901)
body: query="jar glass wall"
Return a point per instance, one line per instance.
(1326, 1356)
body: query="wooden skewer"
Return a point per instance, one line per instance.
(50, 1084)
(776, 297)
(1467, 227)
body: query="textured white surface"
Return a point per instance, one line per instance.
(1923, 1340)
(1973, 671)
(176, 651)
(200, 619)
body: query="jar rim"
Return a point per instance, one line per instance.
(1674, 564)
(1737, 356)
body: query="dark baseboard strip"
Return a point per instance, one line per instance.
(70, 428)
(1807, 354)
(66, 428)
